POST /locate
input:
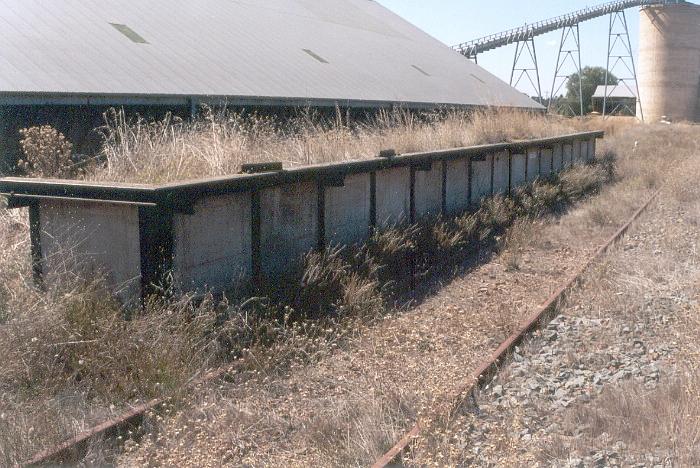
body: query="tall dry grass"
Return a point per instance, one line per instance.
(648, 157)
(219, 142)
(70, 358)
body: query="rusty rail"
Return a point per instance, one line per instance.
(76, 447)
(488, 368)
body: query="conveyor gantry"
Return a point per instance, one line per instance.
(472, 48)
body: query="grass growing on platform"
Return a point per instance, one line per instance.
(69, 360)
(218, 143)
(72, 342)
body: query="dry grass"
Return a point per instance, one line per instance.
(663, 419)
(655, 273)
(218, 143)
(71, 344)
(355, 420)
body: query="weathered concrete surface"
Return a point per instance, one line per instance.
(591, 149)
(558, 157)
(533, 164)
(669, 62)
(500, 173)
(288, 227)
(568, 152)
(212, 247)
(584, 151)
(481, 179)
(92, 239)
(428, 192)
(547, 155)
(518, 165)
(577, 153)
(393, 196)
(457, 193)
(348, 211)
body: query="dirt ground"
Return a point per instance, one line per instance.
(614, 380)
(349, 407)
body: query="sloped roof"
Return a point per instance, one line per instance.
(615, 91)
(353, 52)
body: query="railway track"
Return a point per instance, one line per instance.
(75, 448)
(488, 368)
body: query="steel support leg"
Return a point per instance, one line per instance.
(621, 57)
(568, 63)
(525, 66)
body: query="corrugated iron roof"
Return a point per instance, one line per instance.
(615, 92)
(245, 51)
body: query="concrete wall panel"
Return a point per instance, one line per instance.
(500, 173)
(558, 157)
(457, 193)
(533, 164)
(584, 151)
(428, 192)
(568, 152)
(481, 178)
(288, 227)
(547, 156)
(212, 247)
(591, 149)
(92, 239)
(577, 153)
(518, 165)
(348, 211)
(393, 196)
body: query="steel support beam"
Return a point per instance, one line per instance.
(525, 66)
(568, 63)
(620, 57)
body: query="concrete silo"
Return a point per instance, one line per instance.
(669, 62)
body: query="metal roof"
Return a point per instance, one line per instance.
(353, 52)
(615, 92)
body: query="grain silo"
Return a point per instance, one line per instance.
(669, 56)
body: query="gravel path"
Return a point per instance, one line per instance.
(619, 338)
(349, 407)
(622, 328)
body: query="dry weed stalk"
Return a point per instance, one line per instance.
(47, 152)
(220, 141)
(179, 339)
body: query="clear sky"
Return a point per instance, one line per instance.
(455, 21)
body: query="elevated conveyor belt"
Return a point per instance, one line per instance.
(472, 48)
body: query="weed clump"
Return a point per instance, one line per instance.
(219, 141)
(47, 153)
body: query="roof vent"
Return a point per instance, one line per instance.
(130, 33)
(315, 55)
(421, 70)
(477, 78)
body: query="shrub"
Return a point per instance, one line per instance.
(582, 180)
(47, 152)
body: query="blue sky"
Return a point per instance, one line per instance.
(455, 21)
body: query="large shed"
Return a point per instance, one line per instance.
(618, 99)
(64, 61)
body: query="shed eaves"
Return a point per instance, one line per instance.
(351, 52)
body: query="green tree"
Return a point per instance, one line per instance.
(592, 77)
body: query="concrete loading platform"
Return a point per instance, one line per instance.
(215, 234)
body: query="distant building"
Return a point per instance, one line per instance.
(64, 62)
(619, 100)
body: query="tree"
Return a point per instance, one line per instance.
(592, 78)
